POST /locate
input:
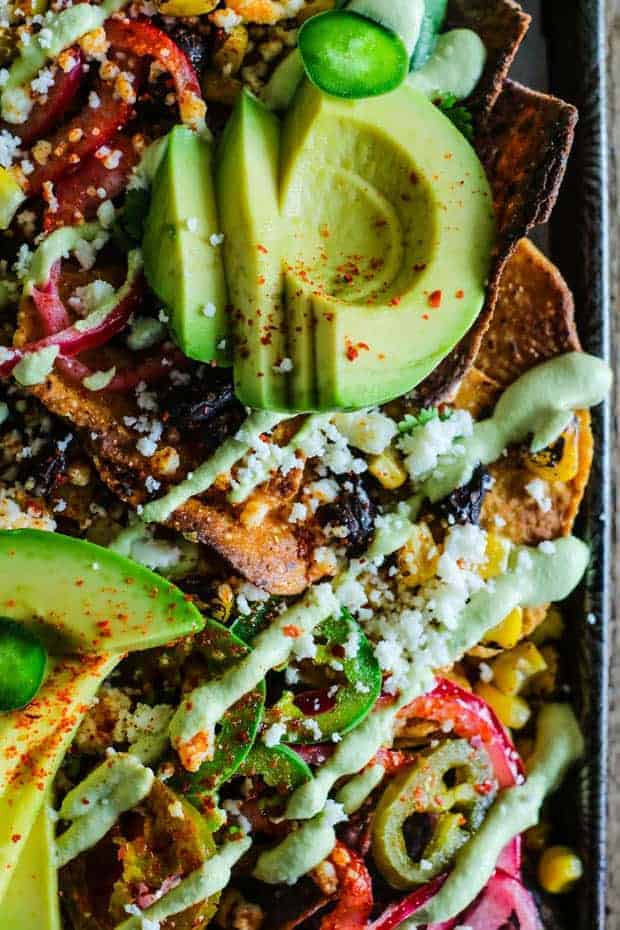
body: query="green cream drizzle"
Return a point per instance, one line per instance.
(559, 744)
(210, 878)
(66, 28)
(533, 578)
(539, 404)
(299, 853)
(95, 805)
(204, 707)
(61, 242)
(226, 456)
(34, 367)
(354, 793)
(455, 67)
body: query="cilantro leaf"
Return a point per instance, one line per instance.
(411, 421)
(460, 116)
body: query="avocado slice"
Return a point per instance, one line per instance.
(247, 192)
(79, 597)
(182, 262)
(390, 228)
(33, 742)
(31, 899)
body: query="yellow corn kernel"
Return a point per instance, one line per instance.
(511, 670)
(558, 870)
(388, 469)
(417, 560)
(560, 461)
(187, 7)
(229, 57)
(11, 196)
(552, 627)
(536, 838)
(313, 7)
(455, 676)
(512, 710)
(497, 552)
(545, 682)
(507, 633)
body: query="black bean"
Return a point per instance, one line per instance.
(355, 510)
(465, 504)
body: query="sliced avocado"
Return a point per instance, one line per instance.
(33, 742)
(247, 190)
(390, 226)
(182, 261)
(31, 899)
(79, 597)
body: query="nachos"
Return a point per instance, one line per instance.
(294, 429)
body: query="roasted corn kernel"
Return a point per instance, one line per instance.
(507, 633)
(497, 552)
(457, 677)
(552, 627)
(229, 57)
(511, 670)
(417, 560)
(187, 7)
(558, 870)
(388, 469)
(217, 88)
(560, 461)
(512, 710)
(545, 682)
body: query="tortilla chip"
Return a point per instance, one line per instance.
(533, 318)
(524, 149)
(502, 25)
(533, 322)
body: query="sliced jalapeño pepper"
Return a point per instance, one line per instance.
(348, 55)
(278, 766)
(434, 15)
(23, 661)
(217, 649)
(449, 791)
(331, 711)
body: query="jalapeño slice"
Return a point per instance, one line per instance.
(278, 766)
(217, 649)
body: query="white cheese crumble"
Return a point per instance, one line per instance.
(424, 446)
(273, 735)
(9, 147)
(539, 491)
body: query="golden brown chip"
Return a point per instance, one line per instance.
(502, 25)
(524, 148)
(533, 322)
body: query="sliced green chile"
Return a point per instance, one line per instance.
(456, 807)
(279, 766)
(352, 700)
(221, 649)
(434, 15)
(348, 55)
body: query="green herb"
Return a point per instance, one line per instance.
(412, 420)
(128, 227)
(460, 116)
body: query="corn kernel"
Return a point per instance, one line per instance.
(560, 461)
(417, 560)
(552, 627)
(558, 870)
(507, 633)
(220, 89)
(187, 7)
(229, 57)
(511, 670)
(545, 682)
(388, 469)
(512, 710)
(455, 676)
(536, 838)
(497, 552)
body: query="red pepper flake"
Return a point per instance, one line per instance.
(425, 316)
(420, 267)
(413, 178)
(395, 301)
(263, 249)
(351, 352)
(16, 837)
(292, 631)
(435, 299)
(484, 787)
(460, 294)
(261, 279)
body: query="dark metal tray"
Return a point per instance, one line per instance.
(565, 54)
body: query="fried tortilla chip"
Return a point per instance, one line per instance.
(524, 148)
(502, 25)
(533, 322)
